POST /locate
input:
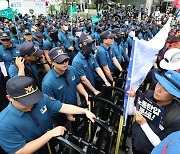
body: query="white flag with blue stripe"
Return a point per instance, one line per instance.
(143, 56)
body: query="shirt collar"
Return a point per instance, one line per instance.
(15, 110)
(81, 55)
(55, 73)
(104, 46)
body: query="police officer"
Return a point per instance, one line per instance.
(120, 47)
(20, 31)
(13, 34)
(38, 39)
(66, 39)
(86, 64)
(27, 64)
(77, 33)
(62, 82)
(96, 34)
(35, 27)
(51, 42)
(27, 35)
(8, 51)
(26, 123)
(6, 25)
(105, 57)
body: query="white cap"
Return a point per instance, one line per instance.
(171, 59)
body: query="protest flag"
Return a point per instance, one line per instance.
(143, 56)
(72, 9)
(15, 13)
(95, 19)
(100, 12)
(7, 13)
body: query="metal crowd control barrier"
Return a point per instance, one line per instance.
(117, 110)
(70, 145)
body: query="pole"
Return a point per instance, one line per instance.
(71, 14)
(16, 29)
(8, 3)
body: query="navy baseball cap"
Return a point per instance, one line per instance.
(49, 28)
(54, 30)
(116, 30)
(107, 34)
(38, 34)
(58, 54)
(170, 81)
(27, 32)
(85, 38)
(28, 48)
(5, 36)
(24, 90)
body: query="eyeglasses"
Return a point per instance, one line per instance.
(64, 61)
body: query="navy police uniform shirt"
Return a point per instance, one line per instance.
(14, 40)
(65, 39)
(60, 87)
(117, 49)
(95, 35)
(21, 36)
(104, 57)
(13, 70)
(124, 46)
(7, 54)
(18, 128)
(38, 44)
(49, 44)
(76, 45)
(85, 67)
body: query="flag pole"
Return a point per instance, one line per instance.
(16, 27)
(71, 14)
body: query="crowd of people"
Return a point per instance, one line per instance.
(69, 60)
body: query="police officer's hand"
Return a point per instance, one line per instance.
(42, 59)
(70, 117)
(121, 72)
(107, 83)
(89, 115)
(19, 61)
(140, 119)
(96, 92)
(71, 48)
(57, 131)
